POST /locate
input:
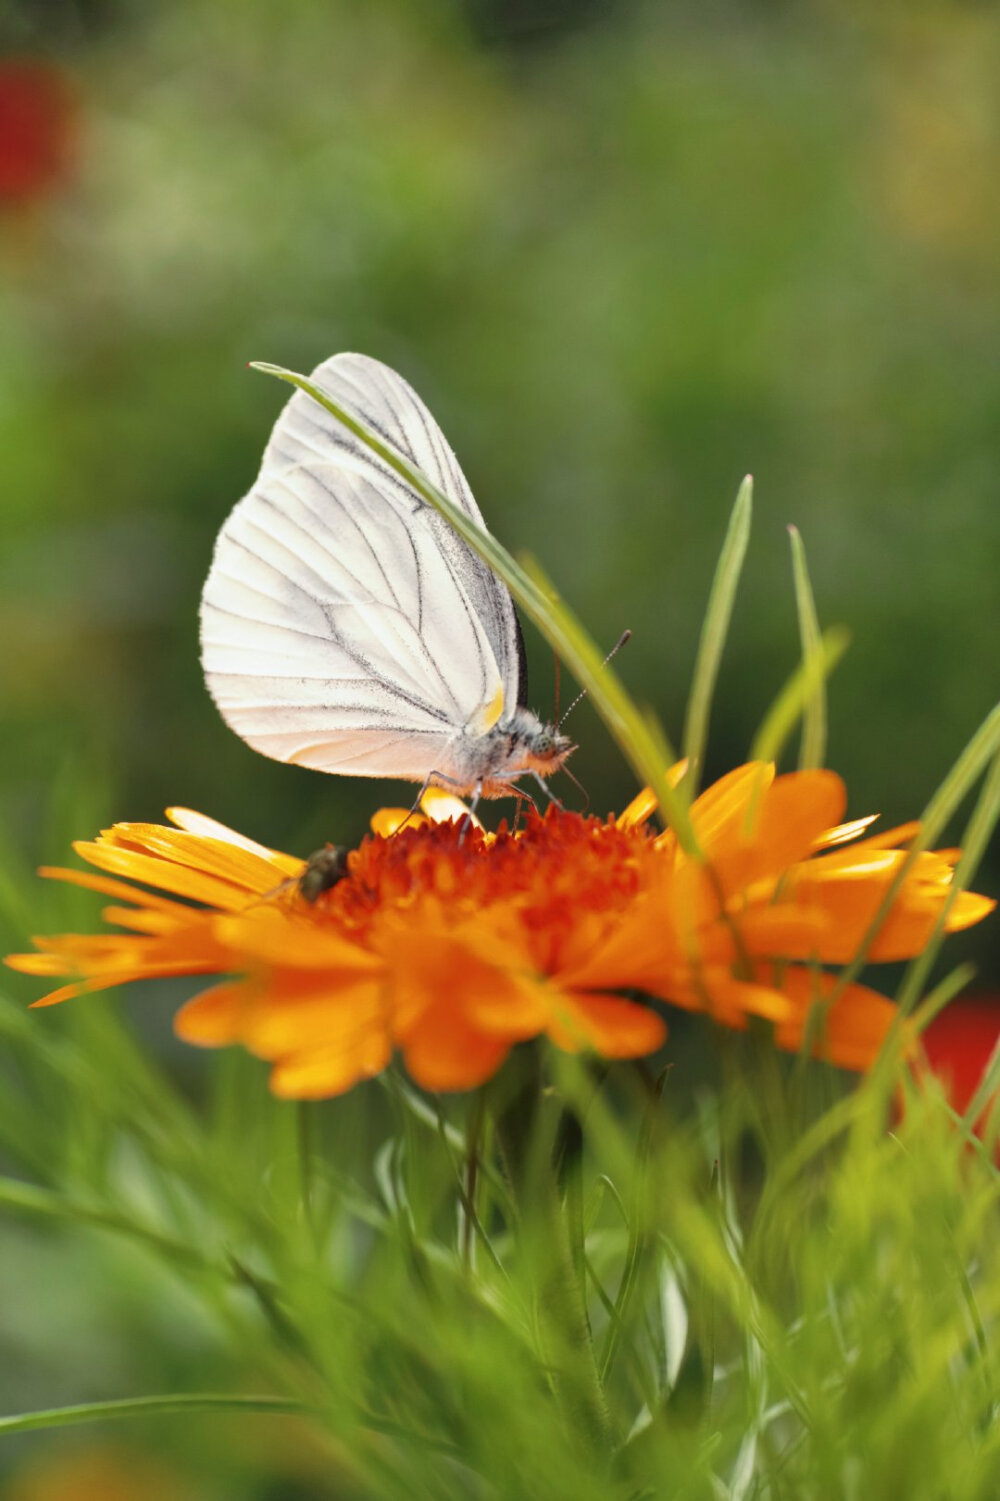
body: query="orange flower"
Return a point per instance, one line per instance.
(451, 944)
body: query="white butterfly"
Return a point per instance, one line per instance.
(345, 626)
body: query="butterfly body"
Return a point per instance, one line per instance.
(486, 764)
(345, 626)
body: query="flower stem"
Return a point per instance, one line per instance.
(474, 1138)
(545, 1238)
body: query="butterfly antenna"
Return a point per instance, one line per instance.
(625, 636)
(577, 783)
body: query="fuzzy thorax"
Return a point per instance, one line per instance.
(519, 743)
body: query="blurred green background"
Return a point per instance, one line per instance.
(625, 251)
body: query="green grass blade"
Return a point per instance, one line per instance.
(988, 1087)
(978, 833)
(801, 688)
(981, 749)
(944, 991)
(140, 1407)
(43, 1203)
(812, 751)
(540, 602)
(714, 632)
(639, 1240)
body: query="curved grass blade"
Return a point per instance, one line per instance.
(787, 709)
(989, 1086)
(639, 1237)
(944, 991)
(714, 632)
(138, 1407)
(981, 749)
(977, 835)
(812, 751)
(540, 602)
(43, 1203)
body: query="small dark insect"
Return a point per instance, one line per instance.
(324, 869)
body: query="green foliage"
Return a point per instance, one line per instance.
(713, 633)
(776, 1293)
(814, 716)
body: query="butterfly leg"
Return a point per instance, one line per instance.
(522, 798)
(548, 792)
(427, 782)
(469, 819)
(433, 779)
(270, 895)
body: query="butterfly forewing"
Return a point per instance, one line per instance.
(306, 432)
(344, 625)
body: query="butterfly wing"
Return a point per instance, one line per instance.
(344, 624)
(390, 406)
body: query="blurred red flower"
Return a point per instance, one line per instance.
(959, 1042)
(37, 111)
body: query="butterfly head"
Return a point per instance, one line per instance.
(545, 749)
(532, 746)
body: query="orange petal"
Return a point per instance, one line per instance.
(853, 1029)
(722, 808)
(906, 931)
(444, 807)
(107, 887)
(642, 806)
(269, 935)
(850, 886)
(36, 964)
(319, 1073)
(730, 1000)
(843, 833)
(645, 803)
(504, 1004)
(283, 1020)
(154, 871)
(121, 977)
(214, 1018)
(783, 931)
(902, 835)
(199, 823)
(81, 950)
(758, 842)
(442, 1052)
(221, 858)
(146, 920)
(488, 997)
(606, 1024)
(388, 821)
